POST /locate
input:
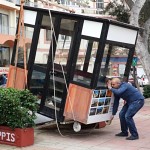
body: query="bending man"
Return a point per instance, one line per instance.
(134, 102)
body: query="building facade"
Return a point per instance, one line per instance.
(8, 23)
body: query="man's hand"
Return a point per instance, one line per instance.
(112, 117)
(109, 121)
(109, 84)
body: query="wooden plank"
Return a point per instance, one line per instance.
(16, 78)
(78, 103)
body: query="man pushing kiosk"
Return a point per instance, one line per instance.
(134, 101)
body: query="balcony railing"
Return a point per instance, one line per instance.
(7, 30)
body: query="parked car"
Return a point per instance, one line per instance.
(143, 81)
(131, 80)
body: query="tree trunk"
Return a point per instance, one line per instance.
(135, 12)
(142, 48)
(142, 41)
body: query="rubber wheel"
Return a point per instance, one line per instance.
(76, 126)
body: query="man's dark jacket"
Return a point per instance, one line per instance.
(128, 93)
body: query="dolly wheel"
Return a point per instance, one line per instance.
(76, 126)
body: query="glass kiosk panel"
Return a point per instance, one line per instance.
(40, 66)
(57, 81)
(85, 62)
(112, 58)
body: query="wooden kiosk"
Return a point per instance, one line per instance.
(68, 74)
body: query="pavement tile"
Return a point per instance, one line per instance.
(114, 148)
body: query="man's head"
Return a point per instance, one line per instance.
(115, 83)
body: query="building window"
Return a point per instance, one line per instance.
(100, 4)
(64, 37)
(4, 56)
(4, 24)
(67, 2)
(49, 36)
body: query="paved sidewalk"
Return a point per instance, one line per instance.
(48, 138)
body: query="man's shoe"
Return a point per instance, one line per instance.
(122, 134)
(132, 137)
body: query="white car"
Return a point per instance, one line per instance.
(143, 81)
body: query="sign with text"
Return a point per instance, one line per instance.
(7, 136)
(16, 137)
(4, 70)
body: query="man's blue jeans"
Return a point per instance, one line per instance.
(126, 117)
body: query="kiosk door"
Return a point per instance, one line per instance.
(54, 73)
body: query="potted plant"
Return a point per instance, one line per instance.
(17, 115)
